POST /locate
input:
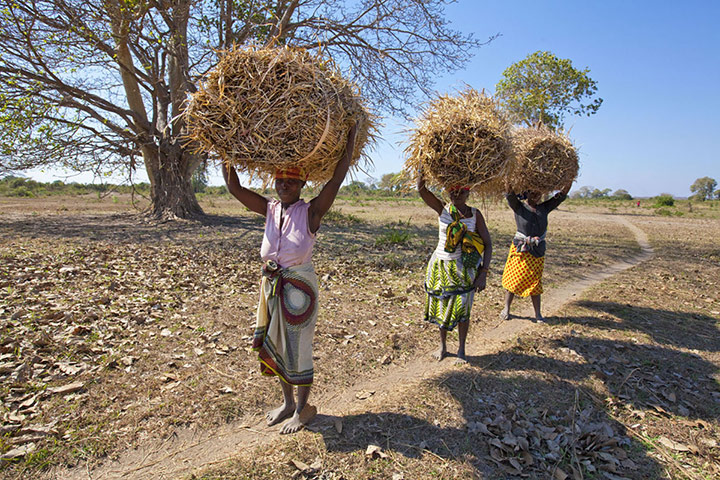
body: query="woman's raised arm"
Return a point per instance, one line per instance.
(253, 201)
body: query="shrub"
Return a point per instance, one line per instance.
(396, 235)
(666, 212)
(622, 194)
(664, 200)
(21, 191)
(336, 216)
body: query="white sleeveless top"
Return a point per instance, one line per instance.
(445, 219)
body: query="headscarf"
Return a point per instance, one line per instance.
(292, 172)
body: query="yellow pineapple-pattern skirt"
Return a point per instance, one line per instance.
(523, 273)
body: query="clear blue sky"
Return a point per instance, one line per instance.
(657, 67)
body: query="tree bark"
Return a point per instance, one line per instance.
(169, 166)
(171, 193)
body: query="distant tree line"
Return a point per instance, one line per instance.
(592, 192)
(12, 186)
(396, 184)
(391, 184)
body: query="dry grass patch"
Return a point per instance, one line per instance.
(621, 384)
(147, 327)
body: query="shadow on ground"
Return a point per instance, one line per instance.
(545, 403)
(679, 329)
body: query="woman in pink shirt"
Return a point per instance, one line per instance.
(287, 309)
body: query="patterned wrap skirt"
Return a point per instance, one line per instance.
(450, 293)
(523, 273)
(285, 324)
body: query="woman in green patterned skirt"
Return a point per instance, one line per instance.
(458, 266)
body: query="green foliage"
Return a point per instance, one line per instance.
(668, 212)
(398, 234)
(336, 216)
(394, 183)
(542, 88)
(199, 179)
(704, 188)
(12, 186)
(664, 200)
(591, 192)
(41, 458)
(621, 194)
(354, 188)
(216, 190)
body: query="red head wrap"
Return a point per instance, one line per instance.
(293, 172)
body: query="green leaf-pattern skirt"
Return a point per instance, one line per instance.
(450, 295)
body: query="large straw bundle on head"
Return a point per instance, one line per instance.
(544, 161)
(461, 140)
(265, 108)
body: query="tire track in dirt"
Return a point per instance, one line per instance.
(190, 451)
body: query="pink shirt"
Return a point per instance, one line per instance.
(292, 245)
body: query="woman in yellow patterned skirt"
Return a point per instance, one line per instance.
(524, 267)
(456, 269)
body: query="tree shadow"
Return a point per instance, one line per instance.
(523, 412)
(637, 376)
(512, 426)
(679, 329)
(139, 228)
(121, 228)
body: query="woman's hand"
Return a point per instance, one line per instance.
(420, 179)
(480, 281)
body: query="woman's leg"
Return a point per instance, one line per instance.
(536, 305)
(505, 314)
(442, 351)
(463, 328)
(286, 409)
(303, 412)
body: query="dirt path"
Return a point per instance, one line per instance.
(191, 450)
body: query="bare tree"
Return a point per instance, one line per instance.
(100, 85)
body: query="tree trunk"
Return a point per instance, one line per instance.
(171, 192)
(171, 170)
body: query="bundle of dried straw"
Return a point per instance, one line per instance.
(544, 161)
(461, 140)
(265, 108)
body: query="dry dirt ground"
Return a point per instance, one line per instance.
(125, 350)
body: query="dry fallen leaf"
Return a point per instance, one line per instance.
(364, 394)
(373, 451)
(69, 388)
(303, 467)
(559, 474)
(673, 445)
(18, 452)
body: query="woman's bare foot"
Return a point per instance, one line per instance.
(439, 354)
(539, 318)
(279, 414)
(504, 315)
(460, 360)
(298, 421)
